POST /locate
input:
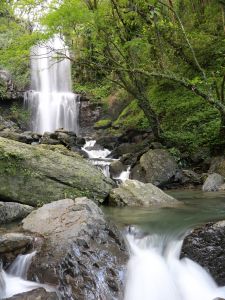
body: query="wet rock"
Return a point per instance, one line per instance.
(116, 167)
(81, 253)
(10, 242)
(108, 142)
(155, 166)
(39, 174)
(136, 193)
(206, 246)
(213, 183)
(190, 177)
(11, 211)
(37, 294)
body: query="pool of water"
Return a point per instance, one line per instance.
(197, 208)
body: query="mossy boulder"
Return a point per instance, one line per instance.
(103, 124)
(36, 175)
(156, 166)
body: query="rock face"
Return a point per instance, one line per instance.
(136, 193)
(38, 294)
(11, 211)
(213, 183)
(12, 244)
(156, 166)
(206, 246)
(81, 253)
(35, 175)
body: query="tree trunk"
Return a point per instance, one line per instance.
(152, 117)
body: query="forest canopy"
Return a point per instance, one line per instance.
(167, 55)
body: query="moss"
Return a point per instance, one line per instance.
(132, 117)
(105, 123)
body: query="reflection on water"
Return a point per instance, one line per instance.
(198, 208)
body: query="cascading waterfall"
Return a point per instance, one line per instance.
(14, 281)
(155, 272)
(50, 100)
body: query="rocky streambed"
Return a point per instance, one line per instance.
(80, 254)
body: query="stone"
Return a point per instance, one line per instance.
(37, 294)
(206, 246)
(155, 166)
(136, 193)
(9, 242)
(218, 165)
(116, 167)
(82, 253)
(103, 124)
(213, 183)
(11, 211)
(190, 177)
(35, 175)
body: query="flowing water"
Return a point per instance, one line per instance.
(50, 100)
(14, 280)
(154, 271)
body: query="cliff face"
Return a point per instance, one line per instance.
(8, 89)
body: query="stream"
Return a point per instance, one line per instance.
(154, 235)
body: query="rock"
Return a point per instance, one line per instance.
(108, 142)
(11, 211)
(218, 165)
(37, 294)
(155, 166)
(39, 174)
(126, 148)
(27, 137)
(10, 242)
(190, 177)
(103, 124)
(115, 168)
(212, 183)
(206, 246)
(136, 193)
(82, 253)
(62, 137)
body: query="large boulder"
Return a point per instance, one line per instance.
(213, 183)
(38, 174)
(11, 211)
(206, 246)
(136, 193)
(37, 294)
(81, 253)
(156, 166)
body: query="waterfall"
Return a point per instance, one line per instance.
(14, 280)
(50, 100)
(155, 272)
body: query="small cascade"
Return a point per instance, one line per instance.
(155, 272)
(124, 175)
(50, 100)
(14, 280)
(98, 157)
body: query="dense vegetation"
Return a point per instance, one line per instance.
(162, 60)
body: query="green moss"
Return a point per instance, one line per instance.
(105, 123)
(132, 117)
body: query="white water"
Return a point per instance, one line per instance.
(98, 157)
(92, 153)
(155, 272)
(50, 100)
(124, 175)
(14, 280)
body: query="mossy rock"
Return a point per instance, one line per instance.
(36, 175)
(103, 124)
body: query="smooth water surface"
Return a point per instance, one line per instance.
(197, 208)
